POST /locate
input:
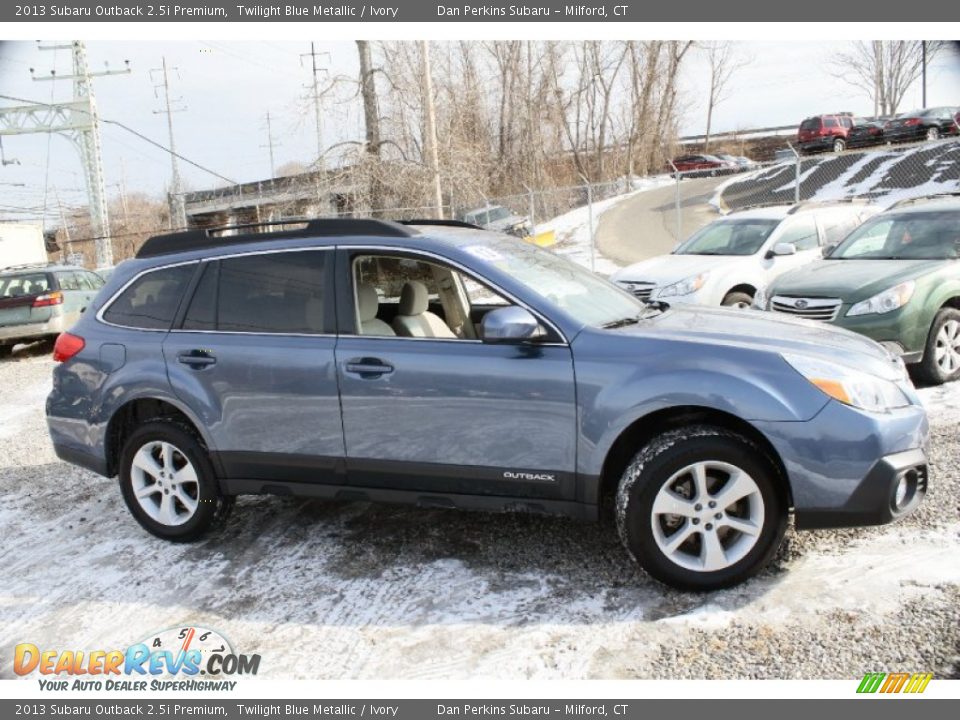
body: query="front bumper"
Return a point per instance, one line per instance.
(844, 465)
(11, 334)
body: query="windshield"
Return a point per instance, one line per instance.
(16, 285)
(910, 236)
(584, 296)
(729, 237)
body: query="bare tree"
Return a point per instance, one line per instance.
(723, 60)
(884, 69)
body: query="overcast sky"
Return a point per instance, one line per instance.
(228, 87)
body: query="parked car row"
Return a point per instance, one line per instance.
(839, 131)
(893, 276)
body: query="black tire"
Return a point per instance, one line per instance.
(737, 299)
(929, 370)
(671, 452)
(839, 145)
(212, 507)
(5, 350)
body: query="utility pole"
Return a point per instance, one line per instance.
(923, 66)
(178, 215)
(270, 145)
(430, 126)
(315, 70)
(77, 120)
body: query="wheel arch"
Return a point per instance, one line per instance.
(644, 428)
(137, 411)
(747, 288)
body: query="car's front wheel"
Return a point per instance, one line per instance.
(933, 133)
(839, 145)
(941, 357)
(168, 482)
(701, 508)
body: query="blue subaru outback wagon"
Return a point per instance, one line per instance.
(441, 365)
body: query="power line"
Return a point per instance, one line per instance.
(140, 135)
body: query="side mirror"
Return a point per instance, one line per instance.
(784, 248)
(510, 324)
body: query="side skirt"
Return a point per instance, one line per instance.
(487, 503)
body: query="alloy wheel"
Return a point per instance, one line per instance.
(707, 516)
(165, 483)
(947, 349)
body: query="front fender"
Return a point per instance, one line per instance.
(752, 386)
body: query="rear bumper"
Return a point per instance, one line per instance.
(844, 465)
(10, 334)
(819, 143)
(82, 457)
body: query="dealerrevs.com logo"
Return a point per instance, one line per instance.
(181, 659)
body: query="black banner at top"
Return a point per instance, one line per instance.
(451, 10)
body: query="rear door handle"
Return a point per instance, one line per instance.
(368, 368)
(197, 359)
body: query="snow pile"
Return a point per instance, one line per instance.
(572, 229)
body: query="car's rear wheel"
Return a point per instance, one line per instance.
(701, 508)
(740, 300)
(839, 145)
(933, 133)
(169, 484)
(941, 357)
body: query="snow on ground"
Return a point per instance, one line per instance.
(573, 228)
(329, 590)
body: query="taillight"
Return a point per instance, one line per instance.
(912, 121)
(54, 298)
(67, 346)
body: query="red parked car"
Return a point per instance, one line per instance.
(701, 165)
(824, 133)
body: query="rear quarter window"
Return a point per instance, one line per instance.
(151, 301)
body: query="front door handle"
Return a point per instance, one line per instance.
(368, 368)
(197, 359)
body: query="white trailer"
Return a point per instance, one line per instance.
(21, 244)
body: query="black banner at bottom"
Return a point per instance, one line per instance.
(875, 708)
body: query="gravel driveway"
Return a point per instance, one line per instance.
(334, 590)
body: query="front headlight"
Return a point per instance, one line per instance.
(683, 287)
(887, 301)
(848, 385)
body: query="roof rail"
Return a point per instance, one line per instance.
(442, 223)
(205, 238)
(28, 266)
(808, 204)
(755, 206)
(924, 198)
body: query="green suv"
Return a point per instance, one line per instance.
(895, 279)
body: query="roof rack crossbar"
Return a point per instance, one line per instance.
(206, 238)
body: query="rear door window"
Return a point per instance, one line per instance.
(275, 293)
(151, 301)
(68, 281)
